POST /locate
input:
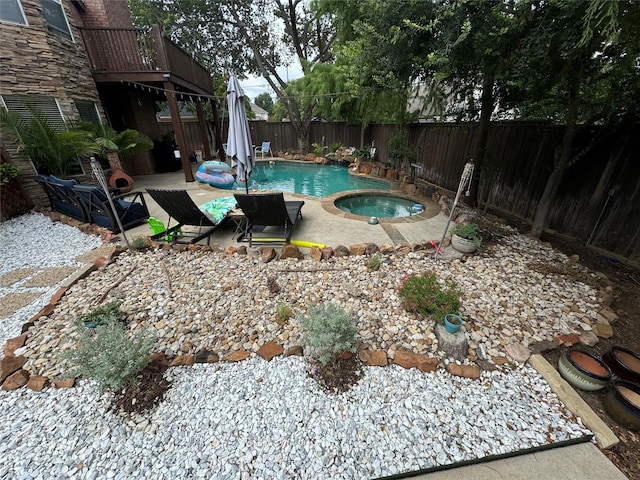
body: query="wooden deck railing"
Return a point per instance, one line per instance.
(128, 50)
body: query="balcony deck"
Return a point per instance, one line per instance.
(142, 56)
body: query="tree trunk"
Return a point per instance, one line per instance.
(483, 134)
(554, 180)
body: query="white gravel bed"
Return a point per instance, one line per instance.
(33, 240)
(258, 419)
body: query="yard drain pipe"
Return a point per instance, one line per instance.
(467, 175)
(491, 458)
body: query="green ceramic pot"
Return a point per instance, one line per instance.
(583, 370)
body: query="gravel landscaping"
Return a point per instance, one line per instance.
(260, 419)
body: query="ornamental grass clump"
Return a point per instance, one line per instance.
(107, 354)
(423, 294)
(329, 331)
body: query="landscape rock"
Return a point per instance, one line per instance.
(64, 383)
(37, 383)
(603, 330)
(270, 350)
(237, 356)
(589, 338)
(341, 251)
(16, 380)
(467, 371)
(373, 358)
(206, 356)
(315, 253)
(183, 361)
(518, 352)
(295, 350)
(289, 250)
(9, 365)
(357, 249)
(14, 343)
(268, 254)
(414, 360)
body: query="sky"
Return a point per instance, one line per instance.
(254, 86)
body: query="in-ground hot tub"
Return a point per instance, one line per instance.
(382, 204)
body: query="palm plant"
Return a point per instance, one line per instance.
(126, 143)
(52, 150)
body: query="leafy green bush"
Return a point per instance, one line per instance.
(329, 330)
(423, 294)
(107, 355)
(334, 147)
(470, 231)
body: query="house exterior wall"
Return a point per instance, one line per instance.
(34, 61)
(107, 13)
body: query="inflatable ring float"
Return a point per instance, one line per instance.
(215, 173)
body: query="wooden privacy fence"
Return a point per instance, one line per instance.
(598, 200)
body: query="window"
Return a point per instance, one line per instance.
(88, 111)
(56, 19)
(47, 106)
(11, 11)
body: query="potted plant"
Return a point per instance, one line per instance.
(116, 146)
(465, 238)
(452, 322)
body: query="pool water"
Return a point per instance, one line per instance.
(381, 206)
(309, 179)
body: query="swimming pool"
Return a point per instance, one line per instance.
(309, 179)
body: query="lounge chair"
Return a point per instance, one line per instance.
(265, 211)
(62, 198)
(179, 205)
(262, 149)
(130, 207)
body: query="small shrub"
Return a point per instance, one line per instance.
(108, 355)
(329, 330)
(423, 294)
(283, 313)
(139, 243)
(374, 262)
(102, 314)
(334, 147)
(470, 231)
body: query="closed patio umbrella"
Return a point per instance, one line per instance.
(239, 146)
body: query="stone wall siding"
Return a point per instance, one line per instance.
(34, 61)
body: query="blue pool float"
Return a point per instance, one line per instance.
(216, 174)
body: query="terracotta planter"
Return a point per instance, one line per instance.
(583, 370)
(624, 364)
(119, 179)
(462, 244)
(622, 404)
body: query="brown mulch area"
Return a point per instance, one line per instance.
(626, 333)
(337, 376)
(147, 392)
